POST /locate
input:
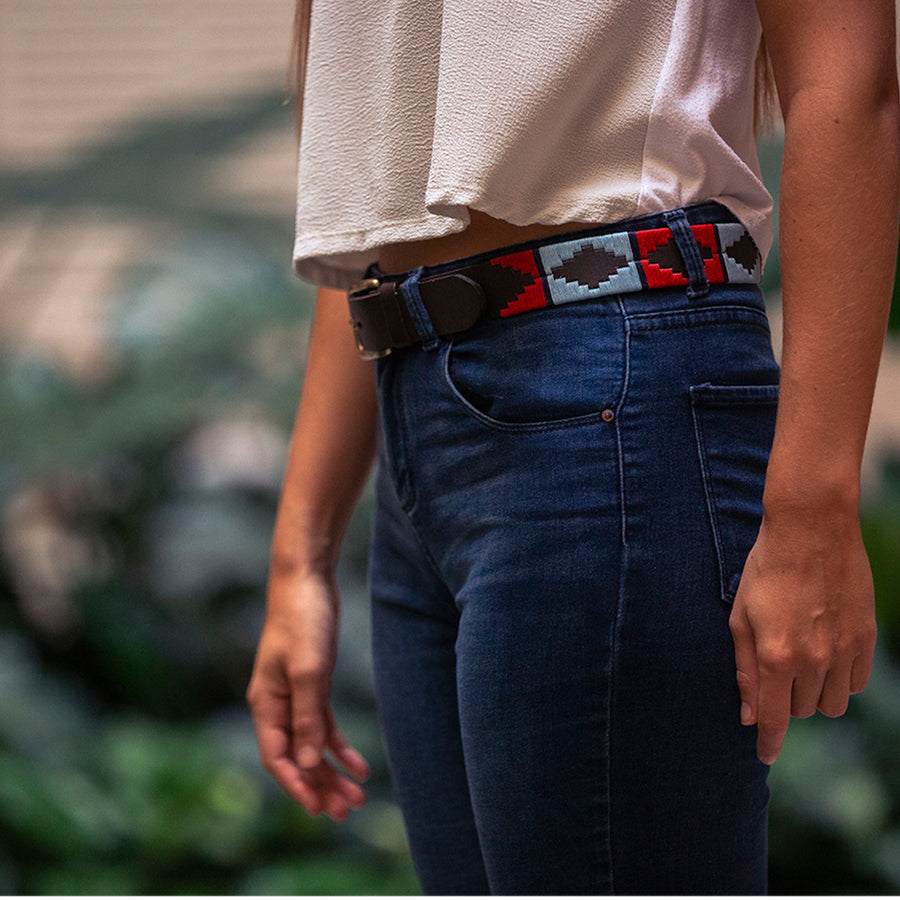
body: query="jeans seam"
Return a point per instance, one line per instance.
(406, 487)
(429, 558)
(626, 378)
(695, 318)
(620, 600)
(394, 486)
(393, 429)
(707, 493)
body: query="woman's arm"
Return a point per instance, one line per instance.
(803, 619)
(331, 453)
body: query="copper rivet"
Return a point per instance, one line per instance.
(607, 415)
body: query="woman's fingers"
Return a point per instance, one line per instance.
(327, 790)
(350, 759)
(273, 734)
(294, 726)
(309, 698)
(747, 668)
(861, 670)
(806, 693)
(312, 733)
(802, 621)
(320, 788)
(270, 707)
(764, 686)
(774, 711)
(835, 694)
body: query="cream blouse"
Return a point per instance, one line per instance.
(533, 111)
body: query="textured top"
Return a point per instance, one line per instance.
(543, 111)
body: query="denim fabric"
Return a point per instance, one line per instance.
(565, 501)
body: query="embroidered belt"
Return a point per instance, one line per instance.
(585, 265)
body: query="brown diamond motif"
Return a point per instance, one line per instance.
(744, 252)
(667, 256)
(590, 266)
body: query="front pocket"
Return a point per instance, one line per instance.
(546, 369)
(734, 426)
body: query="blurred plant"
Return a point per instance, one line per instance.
(100, 802)
(881, 531)
(135, 524)
(835, 815)
(135, 514)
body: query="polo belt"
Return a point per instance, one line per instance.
(586, 265)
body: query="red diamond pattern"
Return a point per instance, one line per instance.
(533, 295)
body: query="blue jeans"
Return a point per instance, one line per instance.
(565, 500)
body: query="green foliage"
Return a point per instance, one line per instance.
(835, 814)
(127, 760)
(124, 803)
(135, 514)
(881, 532)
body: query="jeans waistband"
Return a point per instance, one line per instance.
(691, 247)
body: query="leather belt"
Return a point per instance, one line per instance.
(381, 321)
(562, 269)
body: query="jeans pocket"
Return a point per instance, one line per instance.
(734, 426)
(542, 370)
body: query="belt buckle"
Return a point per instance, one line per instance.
(360, 289)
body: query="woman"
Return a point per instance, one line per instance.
(596, 605)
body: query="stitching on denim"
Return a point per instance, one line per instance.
(402, 482)
(626, 382)
(736, 396)
(429, 559)
(408, 496)
(390, 418)
(673, 325)
(620, 600)
(703, 398)
(719, 308)
(512, 427)
(700, 318)
(706, 478)
(409, 288)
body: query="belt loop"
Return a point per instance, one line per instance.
(687, 246)
(409, 288)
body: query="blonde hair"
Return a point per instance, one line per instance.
(299, 51)
(765, 99)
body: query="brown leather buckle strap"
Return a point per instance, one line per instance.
(381, 321)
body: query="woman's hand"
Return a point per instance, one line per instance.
(803, 622)
(289, 698)
(331, 451)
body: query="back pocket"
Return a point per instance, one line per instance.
(734, 426)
